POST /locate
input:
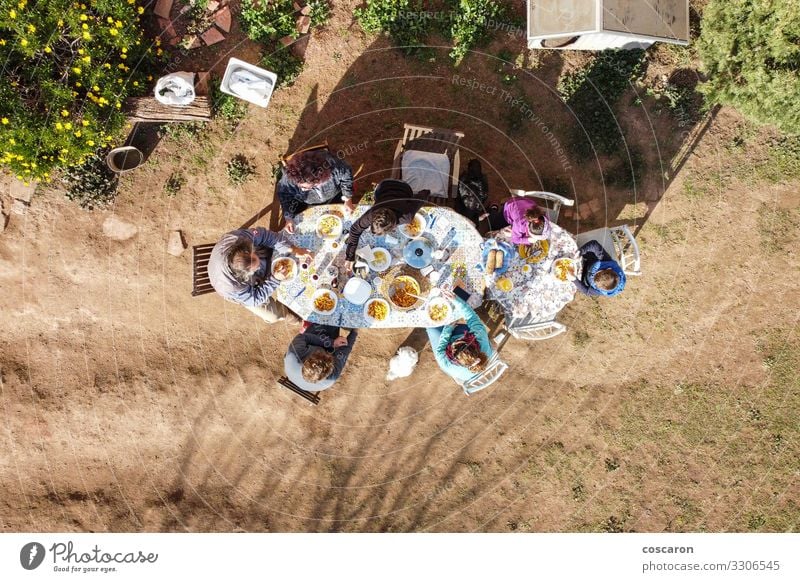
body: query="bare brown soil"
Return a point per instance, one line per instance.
(128, 405)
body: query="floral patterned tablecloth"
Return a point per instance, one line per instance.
(536, 291)
(459, 266)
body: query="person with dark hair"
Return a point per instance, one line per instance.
(395, 203)
(473, 192)
(601, 274)
(462, 350)
(527, 222)
(313, 177)
(239, 269)
(317, 356)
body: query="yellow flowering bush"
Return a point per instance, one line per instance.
(60, 99)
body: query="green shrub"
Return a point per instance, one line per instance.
(229, 108)
(240, 170)
(751, 52)
(92, 184)
(469, 24)
(403, 20)
(408, 23)
(591, 94)
(174, 183)
(267, 21)
(67, 68)
(284, 64)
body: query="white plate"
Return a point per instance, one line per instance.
(436, 302)
(357, 290)
(380, 267)
(570, 274)
(292, 276)
(334, 234)
(320, 292)
(419, 218)
(371, 319)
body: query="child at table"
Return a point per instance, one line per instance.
(462, 350)
(317, 356)
(521, 219)
(602, 275)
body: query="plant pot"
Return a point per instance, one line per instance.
(124, 159)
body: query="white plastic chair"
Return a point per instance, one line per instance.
(552, 202)
(494, 369)
(618, 242)
(536, 331)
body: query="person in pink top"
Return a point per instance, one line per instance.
(523, 217)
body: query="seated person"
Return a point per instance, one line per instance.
(239, 269)
(395, 204)
(522, 220)
(473, 192)
(461, 350)
(317, 355)
(602, 275)
(313, 177)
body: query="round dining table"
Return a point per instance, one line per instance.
(445, 229)
(535, 293)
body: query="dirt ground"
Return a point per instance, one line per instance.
(128, 405)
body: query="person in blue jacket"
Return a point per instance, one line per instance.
(462, 350)
(317, 355)
(602, 275)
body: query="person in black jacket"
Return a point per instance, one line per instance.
(395, 203)
(473, 192)
(314, 177)
(317, 356)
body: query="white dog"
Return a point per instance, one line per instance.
(402, 363)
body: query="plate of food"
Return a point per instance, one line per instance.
(376, 310)
(504, 284)
(415, 228)
(329, 226)
(496, 257)
(381, 259)
(284, 269)
(402, 292)
(324, 301)
(565, 269)
(439, 310)
(534, 252)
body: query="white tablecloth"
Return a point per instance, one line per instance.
(460, 267)
(536, 292)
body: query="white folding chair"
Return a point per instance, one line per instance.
(494, 369)
(552, 202)
(536, 331)
(618, 242)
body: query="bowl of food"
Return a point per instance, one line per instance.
(439, 310)
(324, 301)
(376, 310)
(415, 228)
(565, 269)
(404, 292)
(504, 284)
(381, 260)
(284, 269)
(534, 252)
(329, 226)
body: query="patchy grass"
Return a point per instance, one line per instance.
(240, 169)
(778, 228)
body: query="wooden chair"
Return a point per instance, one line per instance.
(552, 203)
(434, 140)
(200, 281)
(618, 242)
(312, 397)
